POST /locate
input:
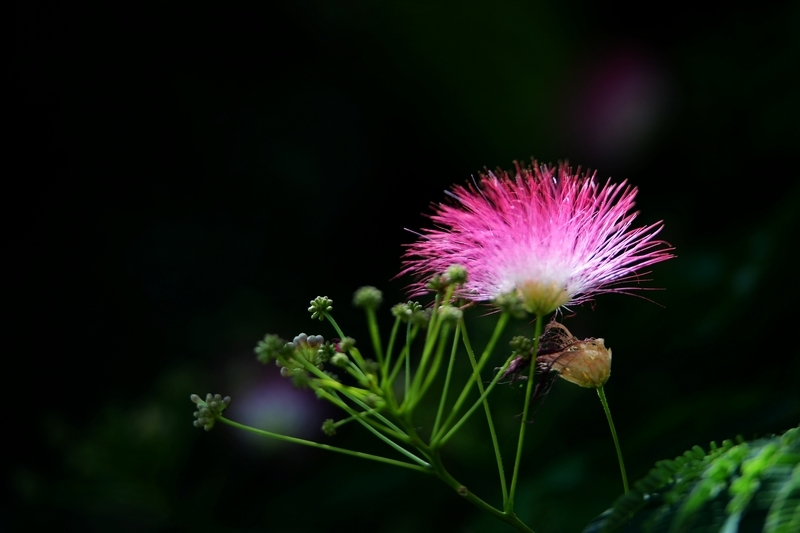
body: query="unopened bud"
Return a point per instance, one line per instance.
(320, 306)
(451, 314)
(329, 427)
(586, 363)
(340, 360)
(368, 298)
(457, 274)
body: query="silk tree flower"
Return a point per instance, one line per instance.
(549, 236)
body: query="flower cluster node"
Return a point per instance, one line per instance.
(340, 360)
(450, 314)
(521, 347)
(368, 298)
(320, 306)
(346, 344)
(421, 318)
(294, 357)
(329, 427)
(511, 303)
(271, 349)
(209, 409)
(305, 341)
(456, 274)
(437, 283)
(412, 312)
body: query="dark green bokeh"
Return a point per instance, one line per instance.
(198, 176)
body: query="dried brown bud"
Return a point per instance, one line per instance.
(585, 363)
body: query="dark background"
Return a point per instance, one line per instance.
(186, 179)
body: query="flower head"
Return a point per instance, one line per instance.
(549, 236)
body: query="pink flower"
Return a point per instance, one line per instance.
(553, 238)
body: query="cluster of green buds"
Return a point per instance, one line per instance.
(209, 409)
(304, 348)
(511, 303)
(413, 313)
(454, 276)
(299, 356)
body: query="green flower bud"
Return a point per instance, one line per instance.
(511, 303)
(367, 298)
(451, 314)
(340, 360)
(329, 427)
(347, 344)
(437, 283)
(271, 348)
(320, 306)
(421, 318)
(209, 409)
(521, 346)
(457, 274)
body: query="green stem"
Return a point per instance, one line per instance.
(387, 363)
(375, 335)
(437, 362)
(335, 326)
(602, 394)
(411, 334)
(402, 435)
(495, 443)
(508, 517)
(387, 430)
(357, 373)
(433, 371)
(437, 443)
(408, 365)
(325, 394)
(528, 390)
(313, 444)
(447, 377)
(498, 329)
(432, 341)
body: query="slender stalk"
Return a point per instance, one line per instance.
(408, 365)
(601, 393)
(411, 334)
(432, 340)
(528, 390)
(422, 372)
(495, 444)
(335, 326)
(365, 421)
(387, 363)
(438, 442)
(367, 409)
(447, 377)
(508, 517)
(325, 394)
(357, 373)
(433, 371)
(498, 330)
(313, 444)
(375, 335)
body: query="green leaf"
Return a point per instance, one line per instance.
(749, 486)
